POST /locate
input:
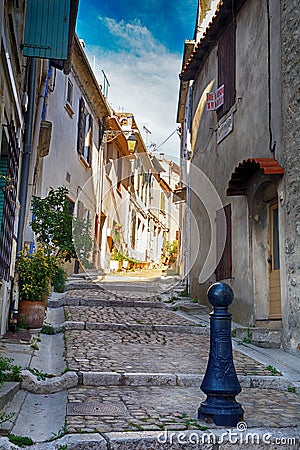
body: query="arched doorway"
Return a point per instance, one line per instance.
(265, 250)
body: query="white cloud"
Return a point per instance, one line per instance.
(143, 76)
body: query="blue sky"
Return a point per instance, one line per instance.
(139, 45)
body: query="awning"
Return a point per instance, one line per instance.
(245, 170)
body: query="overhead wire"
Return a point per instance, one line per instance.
(160, 145)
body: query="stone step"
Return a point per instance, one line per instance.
(7, 393)
(194, 308)
(261, 337)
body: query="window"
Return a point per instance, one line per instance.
(226, 68)
(9, 164)
(85, 133)
(70, 92)
(224, 268)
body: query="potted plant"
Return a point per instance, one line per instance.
(116, 260)
(34, 271)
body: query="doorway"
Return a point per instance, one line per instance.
(274, 264)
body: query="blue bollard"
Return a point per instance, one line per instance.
(220, 383)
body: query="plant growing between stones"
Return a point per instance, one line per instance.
(189, 422)
(21, 441)
(6, 417)
(39, 374)
(273, 370)
(62, 432)
(47, 329)
(9, 371)
(291, 389)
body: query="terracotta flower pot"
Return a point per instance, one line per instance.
(32, 314)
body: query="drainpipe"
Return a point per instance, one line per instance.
(272, 144)
(36, 131)
(26, 152)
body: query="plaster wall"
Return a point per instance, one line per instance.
(290, 25)
(250, 138)
(63, 156)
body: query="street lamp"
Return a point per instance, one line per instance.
(132, 142)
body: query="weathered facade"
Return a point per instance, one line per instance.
(12, 88)
(290, 67)
(246, 146)
(75, 112)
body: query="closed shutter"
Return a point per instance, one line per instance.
(9, 205)
(90, 140)
(46, 29)
(81, 127)
(224, 268)
(226, 68)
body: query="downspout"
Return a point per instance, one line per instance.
(26, 152)
(30, 146)
(36, 131)
(272, 145)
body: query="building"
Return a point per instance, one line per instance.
(23, 77)
(75, 111)
(240, 144)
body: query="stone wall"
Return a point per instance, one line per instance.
(290, 26)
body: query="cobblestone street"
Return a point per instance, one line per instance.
(141, 336)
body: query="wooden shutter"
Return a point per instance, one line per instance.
(81, 127)
(90, 140)
(46, 29)
(226, 68)
(224, 268)
(9, 204)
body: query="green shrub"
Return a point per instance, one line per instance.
(59, 280)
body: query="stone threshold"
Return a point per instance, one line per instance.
(72, 379)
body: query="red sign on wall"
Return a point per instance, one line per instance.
(215, 99)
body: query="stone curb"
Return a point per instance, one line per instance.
(7, 393)
(81, 285)
(211, 439)
(73, 379)
(180, 380)
(77, 301)
(49, 385)
(73, 325)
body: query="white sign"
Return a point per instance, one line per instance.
(224, 128)
(215, 99)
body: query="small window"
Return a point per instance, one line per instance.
(70, 92)
(85, 133)
(226, 68)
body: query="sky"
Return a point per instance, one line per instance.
(139, 46)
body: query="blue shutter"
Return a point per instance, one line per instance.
(47, 29)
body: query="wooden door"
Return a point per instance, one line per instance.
(274, 265)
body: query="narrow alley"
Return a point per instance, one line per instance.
(128, 361)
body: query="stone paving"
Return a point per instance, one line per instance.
(158, 408)
(143, 351)
(127, 315)
(138, 351)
